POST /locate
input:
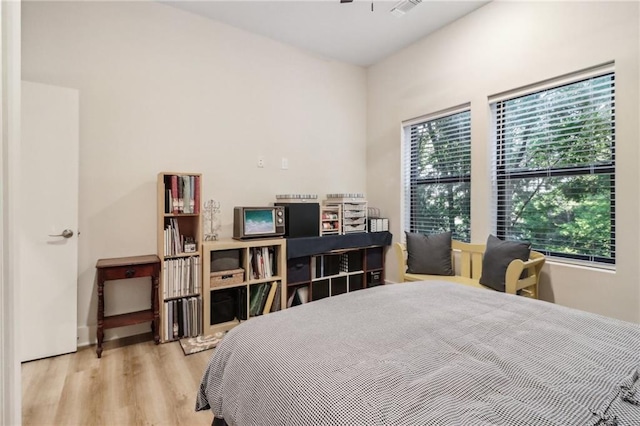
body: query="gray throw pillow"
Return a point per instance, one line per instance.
(429, 254)
(497, 257)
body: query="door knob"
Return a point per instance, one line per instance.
(67, 233)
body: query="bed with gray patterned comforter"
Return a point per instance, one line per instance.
(426, 353)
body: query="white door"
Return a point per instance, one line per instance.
(49, 220)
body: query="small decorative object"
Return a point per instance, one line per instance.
(355, 196)
(189, 245)
(375, 222)
(211, 220)
(296, 198)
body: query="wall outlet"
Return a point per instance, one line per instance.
(260, 162)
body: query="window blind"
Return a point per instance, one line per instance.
(554, 169)
(437, 164)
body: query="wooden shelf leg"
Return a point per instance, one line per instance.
(155, 324)
(100, 332)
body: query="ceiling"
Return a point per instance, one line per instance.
(348, 32)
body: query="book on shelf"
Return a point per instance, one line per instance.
(303, 294)
(270, 297)
(192, 194)
(261, 261)
(277, 300)
(254, 296)
(196, 196)
(186, 194)
(263, 298)
(181, 277)
(253, 264)
(241, 299)
(174, 320)
(167, 201)
(182, 194)
(258, 296)
(182, 318)
(175, 242)
(180, 324)
(298, 297)
(175, 194)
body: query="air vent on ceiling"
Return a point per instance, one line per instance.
(403, 7)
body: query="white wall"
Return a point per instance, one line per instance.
(10, 374)
(165, 90)
(500, 47)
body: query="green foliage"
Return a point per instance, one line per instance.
(565, 143)
(557, 170)
(441, 178)
(444, 207)
(569, 215)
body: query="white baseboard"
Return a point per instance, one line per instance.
(87, 334)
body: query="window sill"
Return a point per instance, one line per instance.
(581, 264)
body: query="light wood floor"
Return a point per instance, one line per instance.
(134, 383)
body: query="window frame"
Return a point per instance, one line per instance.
(410, 165)
(502, 175)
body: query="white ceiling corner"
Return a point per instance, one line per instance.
(349, 32)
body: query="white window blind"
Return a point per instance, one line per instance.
(554, 169)
(437, 164)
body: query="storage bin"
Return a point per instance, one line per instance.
(298, 270)
(338, 286)
(374, 258)
(351, 261)
(354, 221)
(225, 260)
(355, 228)
(222, 278)
(374, 278)
(319, 289)
(223, 306)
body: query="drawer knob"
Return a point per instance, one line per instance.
(129, 273)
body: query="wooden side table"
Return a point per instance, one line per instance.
(123, 268)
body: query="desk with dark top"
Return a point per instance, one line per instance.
(309, 246)
(123, 268)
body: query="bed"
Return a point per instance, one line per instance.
(426, 353)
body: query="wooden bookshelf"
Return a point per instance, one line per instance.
(226, 305)
(345, 263)
(179, 242)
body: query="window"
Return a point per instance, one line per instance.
(555, 169)
(438, 175)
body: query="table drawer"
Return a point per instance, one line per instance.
(131, 271)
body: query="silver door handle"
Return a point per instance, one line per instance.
(67, 233)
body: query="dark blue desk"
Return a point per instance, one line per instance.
(309, 246)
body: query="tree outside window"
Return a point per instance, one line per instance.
(438, 175)
(555, 169)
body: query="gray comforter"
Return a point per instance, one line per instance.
(427, 353)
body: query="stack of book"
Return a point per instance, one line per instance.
(174, 242)
(264, 298)
(182, 194)
(261, 262)
(184, 318)
(181, 277)
(298, 297)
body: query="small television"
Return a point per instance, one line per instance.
(258, 222)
